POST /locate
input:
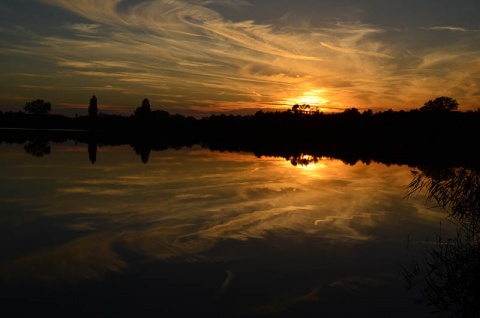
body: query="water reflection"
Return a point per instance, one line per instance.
(37, 148)
(449, 275)
(215, 230)
(303, 160)
(92, 152)
(143, 150)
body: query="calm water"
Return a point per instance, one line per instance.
(194, 231)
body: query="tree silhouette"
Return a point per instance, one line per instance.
(351, 112)
(143, 110)
(302, 109)
(38, 107)
(93, 108)
(146, 105)
(440, 104)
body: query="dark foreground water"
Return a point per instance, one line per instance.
(199, 232)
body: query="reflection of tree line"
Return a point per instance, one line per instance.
(42, 148)
(303, 160)
(37, 148)
(92, 152)
(450, 274)
(298, 152)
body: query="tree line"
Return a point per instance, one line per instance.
(439, 104)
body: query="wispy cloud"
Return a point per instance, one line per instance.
(85, 27)
(94, 64)
(354, 51)
(191, 49)
(43, 87)
(448, 28)
(229, 3)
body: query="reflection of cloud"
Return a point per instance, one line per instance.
(284, 304)
(356, 282)
(344, 231)
(70, 262)
(185, 209)
(226, 283)
(257, 224)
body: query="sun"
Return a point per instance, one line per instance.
(313, 97)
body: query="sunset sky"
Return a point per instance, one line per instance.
(201, 56)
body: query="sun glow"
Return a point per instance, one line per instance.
(313, 97)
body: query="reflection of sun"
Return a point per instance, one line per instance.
(312, 170)
(306, 162)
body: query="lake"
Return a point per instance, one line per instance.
(194, 231)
